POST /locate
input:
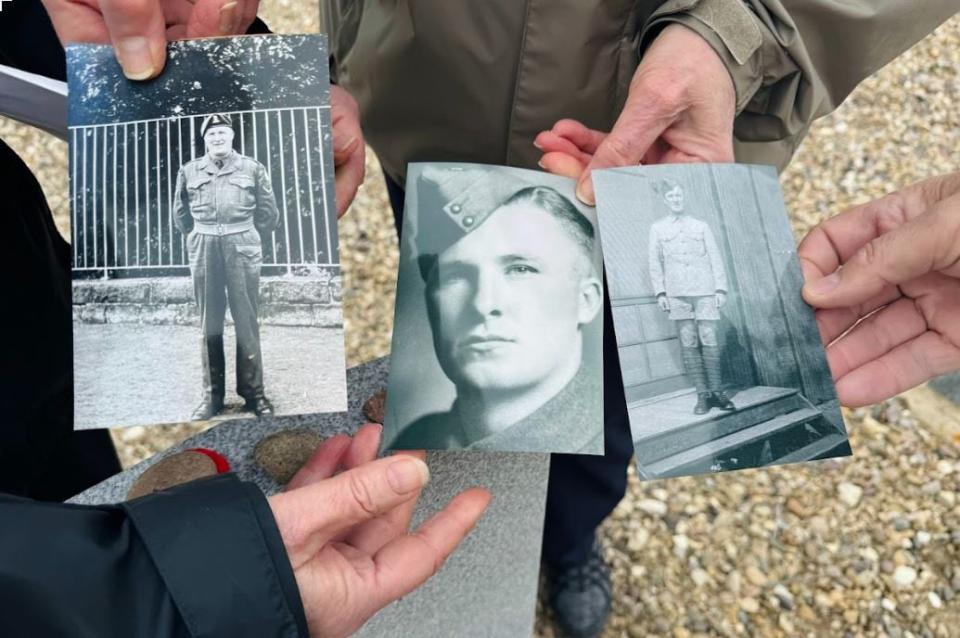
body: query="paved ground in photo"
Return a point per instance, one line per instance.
(152, 373)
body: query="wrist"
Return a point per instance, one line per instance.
(728, 29)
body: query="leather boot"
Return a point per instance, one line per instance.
(214, 379)
(711, 362)
(693, 365)
(703, 403)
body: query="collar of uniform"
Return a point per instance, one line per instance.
(229, 164)
(570, 421)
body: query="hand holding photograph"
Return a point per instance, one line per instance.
(722, 363)
(203, 223)
(498, 330)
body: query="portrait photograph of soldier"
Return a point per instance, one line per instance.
(723, 367)
(498, 330)
(206, 275)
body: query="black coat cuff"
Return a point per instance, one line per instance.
(217, 548)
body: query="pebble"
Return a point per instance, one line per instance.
(652, 507)
(749, 605)
(935, 600)
(783, 596)
(681, 545)
(850, 494)
(755, 576)
(700, 577)
(904, 576)
(921, 538)
(133, 434)
(283, 453)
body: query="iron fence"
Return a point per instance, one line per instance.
(123, 178)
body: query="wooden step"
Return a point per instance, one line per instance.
(654, 446)
(721, 453)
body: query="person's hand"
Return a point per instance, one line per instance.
(346, 534)
(721, 298)
(663, 302)
(680, 108)
(139, 29)
(349, 151)
(885, 277)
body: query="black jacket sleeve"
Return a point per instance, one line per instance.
(201, 560)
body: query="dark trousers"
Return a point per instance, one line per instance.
(582, 490)
(41, 456)
(226, 270)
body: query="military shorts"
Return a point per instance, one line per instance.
(702, 308)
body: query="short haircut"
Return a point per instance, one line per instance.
(664, 185)
(574, 223)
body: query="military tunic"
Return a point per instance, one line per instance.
(223, 209)
(564, 422)
(684, 258)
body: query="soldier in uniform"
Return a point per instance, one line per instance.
(690, 282)
(510, 284)
(224, 204)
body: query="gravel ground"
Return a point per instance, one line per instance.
(862, 547)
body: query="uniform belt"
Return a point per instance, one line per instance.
(205, 228)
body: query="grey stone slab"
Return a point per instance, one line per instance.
(487, 588)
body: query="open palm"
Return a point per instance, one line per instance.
(347, 536)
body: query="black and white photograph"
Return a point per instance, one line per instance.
(498, 329)
(206, 270)
(723, 366)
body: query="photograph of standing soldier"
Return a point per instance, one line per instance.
(690, 282)
(224, 204)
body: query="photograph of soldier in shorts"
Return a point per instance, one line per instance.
(721, 361)
(690, 282)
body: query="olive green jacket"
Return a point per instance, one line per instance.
(441, 80)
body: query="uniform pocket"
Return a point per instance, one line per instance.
(242, 190)
(250, 252)
(200, 192)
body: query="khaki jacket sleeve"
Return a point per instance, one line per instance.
(793, 61)
(181, 204)
(656, 263)
(267, 215)
(716, 260)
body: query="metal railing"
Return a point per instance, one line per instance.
(123, 179)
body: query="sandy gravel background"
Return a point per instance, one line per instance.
(868, 546)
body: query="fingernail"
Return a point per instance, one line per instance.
(228, 18)
(407, 474)
(540, 164)
(536, 145)
(823, 285)
(135, 57)
(585, 193)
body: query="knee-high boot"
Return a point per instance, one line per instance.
(214, 378)
(693, 365)
(711, 361)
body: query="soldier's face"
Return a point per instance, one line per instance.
(674, 200)
(509, 300)
(218, 140)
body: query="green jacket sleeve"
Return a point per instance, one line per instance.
(181, 204)
(267, 214)
(793, 61)
(204, 559)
